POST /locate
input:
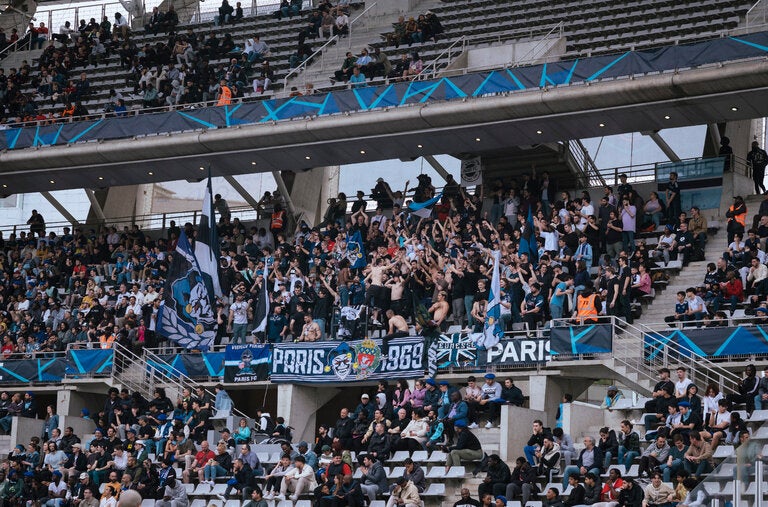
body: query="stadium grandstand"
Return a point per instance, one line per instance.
(519, 325)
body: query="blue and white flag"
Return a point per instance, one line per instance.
(207, 243)
(492, 330)
(262, 305)
(187, 314)
(356, 251)
(424, 209)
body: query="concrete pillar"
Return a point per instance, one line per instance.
(546, 393)
(120, 203)
(299, 404)
(516, 424)
(312, 189)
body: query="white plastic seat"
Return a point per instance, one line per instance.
(148, 503)
(198, 503)
(437, 457)
(420, 456)
(202, 490)
(434, 489)
(232, 503)
(399, 457)
(396, 472)
(456, 472)
(219, 488)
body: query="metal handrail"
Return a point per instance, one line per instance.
(589, 170)
(353, 21)
(531, 52)
(305, 63)
(136, 374)
(761, 15)
(242, 212)
(448, 51)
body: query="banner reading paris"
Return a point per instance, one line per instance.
(351, 361)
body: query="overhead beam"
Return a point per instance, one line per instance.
(95, 205)
(284, 192)
(60, 208)
(437, 166)
(242, 191)
(714, 135)
(662, 144)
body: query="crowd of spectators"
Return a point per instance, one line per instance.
(155, 447)
(187, 68)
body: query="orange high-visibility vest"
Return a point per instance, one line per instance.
(225, 97)
(585, 307)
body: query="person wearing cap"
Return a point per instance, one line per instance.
(162, 433)
(432, 396)
(500, 501)
(57, 490)
(467, 447)
(491, 390)
(404, 494)
(84, 484)
(76, 462)
(612, 397)
(310, 458)
(689, 421)
(366, 406)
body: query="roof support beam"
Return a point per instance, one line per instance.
(60, 208)
(242, 191)
(437, 166)
(284, 192)
(662, 144)
(714, 135)
(95, 206)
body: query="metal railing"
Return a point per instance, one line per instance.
(358, 20)
(589, 174)
(642, 173)
(449, 54)
(654, 354)
(531, 55)
(157, 221)
(757, 15)
(303, 65)
(147, 372)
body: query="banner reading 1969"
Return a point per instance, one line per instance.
(351, 361)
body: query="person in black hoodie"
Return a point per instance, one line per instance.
(523, 482)
(576, 497)
(496, 479)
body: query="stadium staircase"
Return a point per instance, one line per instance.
(663, 304)
(144, 373)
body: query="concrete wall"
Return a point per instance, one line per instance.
(516, 424)
(299, 405)
(80, 426)
(24, 428)
(577, 416)
(311, 190)
(502, 55)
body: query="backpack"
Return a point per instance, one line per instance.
(270, 426)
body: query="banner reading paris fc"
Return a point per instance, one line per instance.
(186, 314)
(313, 362)
(246, 363)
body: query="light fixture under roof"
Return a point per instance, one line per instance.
(150, 173)
(52, 182)
(308, 157)
(734, 109)
(202, 168)
(362, 152)
(601, 125)
(477, 139)
(666, 117)
(419, 146)
(101, 177)
(253, 163)
(539, 132)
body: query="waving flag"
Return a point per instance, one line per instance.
(424, 209)
(186, 313)
(356, 251)
(262, 305)
(207, 243)
(492, 331)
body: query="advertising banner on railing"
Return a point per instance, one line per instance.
(24, 371)
(354, 361)
(516, 352)
(246, 363)
(711, 342)
(457, 350)
(196, 365)
(574, 340)
(89, 362)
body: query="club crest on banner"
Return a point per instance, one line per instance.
(367, 358)
(197, 312)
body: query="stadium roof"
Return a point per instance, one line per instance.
(735, 91)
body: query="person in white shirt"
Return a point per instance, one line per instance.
(121, 25)
(238, 318)
(587, 210)
(697, 310)
(298, 481)
(681, 386)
